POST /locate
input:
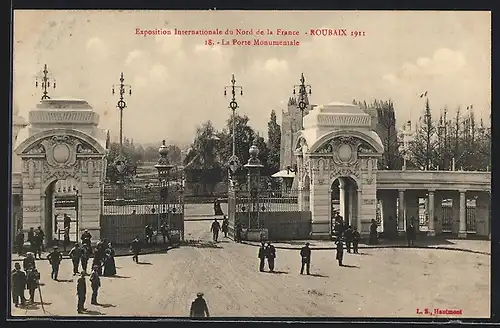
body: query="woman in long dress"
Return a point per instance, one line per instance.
(109, 263)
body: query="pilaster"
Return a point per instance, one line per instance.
(462, 228)
(430, 211)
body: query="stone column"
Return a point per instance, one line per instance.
(401, 209)
(359, 201)
(462, 228)
(430, 211)
(350, 205)
(342, 197)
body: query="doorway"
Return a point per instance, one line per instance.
(344, 200)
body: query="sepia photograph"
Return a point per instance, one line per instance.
(212, 164)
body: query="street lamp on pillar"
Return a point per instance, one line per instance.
(233, 105)
(253, 166)
(121, 104)
(164, 167)
(304, 89)
(45, 82)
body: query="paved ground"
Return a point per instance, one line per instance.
(378, 282)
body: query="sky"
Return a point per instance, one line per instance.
(178, 81)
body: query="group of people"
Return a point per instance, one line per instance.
(29, 279)
(36, 241)
(266, 252)
(216, 227)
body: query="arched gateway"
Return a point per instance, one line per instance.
(337, 154)
(61, 143)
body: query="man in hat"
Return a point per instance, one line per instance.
(40, 237)
(55, 258)
(95, 283)
(32, 240)
(81, 292)
(32, 282)
(29, 260)
(18, 285)
(136, 249)
(305, 254)
(199, 308)
(348, 238)
(356, 237)
(262, 256)
(75, 254)
(19, 241)
(86, 237)
(271, 256)
(340, 251)
(214, 229)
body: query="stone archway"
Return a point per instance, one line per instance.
(58, 154)
(344, 199)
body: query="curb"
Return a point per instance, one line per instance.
(154, 251)
(381, 246)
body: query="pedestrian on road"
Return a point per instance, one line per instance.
(40, 237)
(163, 231)
(355, 240)
(18, 285)
(215, 228)
(348, 238)
(237, 237)
(32, 282)
(75, 254)
(19, 242)
(55, 258)
(29, 260)
(199, 308)
(262, 256)
(136, 249)
(95, 283)
(305, 255)
(86, 237)
(81, 292)
(271, 256)
(148, 232)
(411, 234)
(86, 252)
(340, 251)
(225, 226)
(373, 233)
(66, 240)
(32, 240)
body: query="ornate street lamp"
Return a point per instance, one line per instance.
(253, 166)
(164, 167)
(45, 82)
(233, 162)
(303, 90)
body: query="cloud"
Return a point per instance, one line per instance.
(158, 73)
(97, 49)
(169, 43)
(132, 56)
(443, 62)
(275, 65)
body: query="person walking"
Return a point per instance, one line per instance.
(355, 240)
(340, 251)
(214, 229)
(81, 293)
(136, 249)
(225, 226)
(199, 307)
(19, 242)
(75, 254)
(95, 283)
(55, 258)
(373, 233)
(40, 238)
(32, 241)
(86, 237)
(29, 260)
(18, 285)
(410, 234)
(86, 252)
(271, 256)
(237, 235)
(305, 254)
(348, 238)
(32, 282)
(262, 256)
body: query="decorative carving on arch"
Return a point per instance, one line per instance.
(365, 148)
(325, 149)
(345, 171)
(36, 149)
(345, 150)
(83, 148)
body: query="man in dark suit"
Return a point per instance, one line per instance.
(262, 256)
(305, 254)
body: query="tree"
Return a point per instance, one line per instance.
(273, 143)
(422, 149)
(386, 129)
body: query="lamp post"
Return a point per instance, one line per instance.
(45, 82)
(253, 166)
(120, 162)
(164, 167)
(303, 90)
(233, 105)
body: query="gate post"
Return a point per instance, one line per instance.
(163, 168)
(253, 166)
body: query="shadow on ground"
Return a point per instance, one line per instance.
(201, 244)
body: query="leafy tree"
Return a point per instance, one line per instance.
(423, 147)
(273, 143)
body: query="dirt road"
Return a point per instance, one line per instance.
(377, 283)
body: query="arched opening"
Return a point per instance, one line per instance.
(344, 200)
(61, 211)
